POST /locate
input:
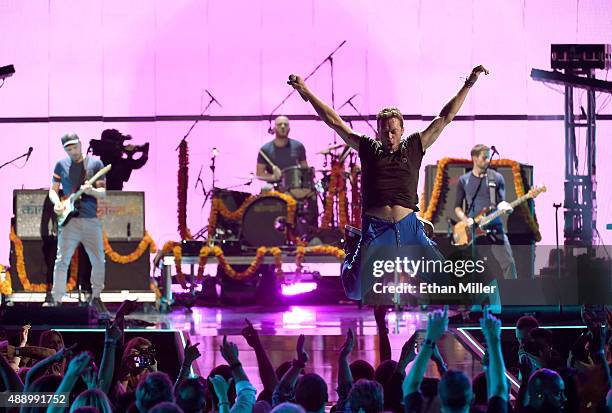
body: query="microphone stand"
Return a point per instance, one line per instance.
(13, 160)
(210, 102)
(331, 61)
(363, 118)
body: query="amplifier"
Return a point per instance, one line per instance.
(122, 214)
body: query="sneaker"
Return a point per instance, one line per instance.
(52, 303)
(97, 303)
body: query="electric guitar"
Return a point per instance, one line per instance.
(462, 232)
(70, 210)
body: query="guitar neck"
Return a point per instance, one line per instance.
(93, 179)
(498, 214)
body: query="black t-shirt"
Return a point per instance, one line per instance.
(284, 157)
(414, 401)
(390, 178)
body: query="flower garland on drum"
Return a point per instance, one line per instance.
(6, 287)
(429, 211)
(219, 208)
(183, 182)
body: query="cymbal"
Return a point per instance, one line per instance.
(331, 148)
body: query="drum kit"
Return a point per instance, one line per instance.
(265, 220)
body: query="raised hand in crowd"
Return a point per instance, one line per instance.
(266, 370)
(245, 392)
(191, 354)
(42, 366)
(491, 329)
(221, 387)
(75, 369)
(437, 324)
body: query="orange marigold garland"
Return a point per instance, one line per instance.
(218, 208)
(21, 269)
(355, 198)
(337, 187)
(6, 288)
(146, 242)
(183, 182)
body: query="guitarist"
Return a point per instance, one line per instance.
(71, 173)
(481, 188)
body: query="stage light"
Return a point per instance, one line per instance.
(298, 288)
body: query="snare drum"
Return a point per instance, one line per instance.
(298, 181)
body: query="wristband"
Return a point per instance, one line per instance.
(469, 83)
(430, 343)
(235, 365)
(17, 352)
(298, 363)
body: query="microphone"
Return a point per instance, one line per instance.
(213, 98)
(215, 152)
(251, 177)
(348, 101)
(29, 153)
(292, 80)
(493, 152)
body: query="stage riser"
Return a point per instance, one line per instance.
(40, 257)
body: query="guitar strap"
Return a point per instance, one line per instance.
(492, 187)
(471, 204)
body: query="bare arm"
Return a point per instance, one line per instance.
(327, 114)
(266, 370)
(448, 112)
(265, 176)
(54, 193)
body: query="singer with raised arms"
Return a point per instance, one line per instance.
(74, 174)
(390, 173)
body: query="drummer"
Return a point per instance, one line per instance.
(281, 152)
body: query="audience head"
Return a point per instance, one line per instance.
(86, 409)
(288, 408)
(190, 395)
(51, 339)
(154, 388)
(455, 391)
(479, 388)
(262, 406)
(311, 392)
(366, 395)
(166, 407)
(95, 398)
(361, 369)
(384, 371)
(524, 325)
(546, 391)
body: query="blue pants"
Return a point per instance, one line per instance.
(377, 232)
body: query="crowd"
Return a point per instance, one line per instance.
(127, 380)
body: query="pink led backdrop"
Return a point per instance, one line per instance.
(147, 58)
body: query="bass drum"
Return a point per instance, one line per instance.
(265, 222)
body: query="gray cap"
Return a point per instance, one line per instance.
(70, 139)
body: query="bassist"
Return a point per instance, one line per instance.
(482, 188)
(71, 173)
